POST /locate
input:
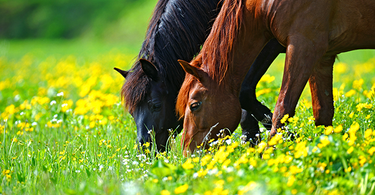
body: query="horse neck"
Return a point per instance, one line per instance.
(251, 39)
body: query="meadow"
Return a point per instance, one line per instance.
(63, 130)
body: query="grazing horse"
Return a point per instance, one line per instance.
(177, 29)
(313, 32)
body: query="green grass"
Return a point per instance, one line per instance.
(63, 130)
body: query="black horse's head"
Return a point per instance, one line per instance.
(151, 102)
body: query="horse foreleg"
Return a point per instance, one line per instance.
(321, 91)
(248, 98)
(250, 128)
(302, 55)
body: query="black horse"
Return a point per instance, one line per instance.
(176, 30)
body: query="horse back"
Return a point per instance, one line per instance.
(342, 24)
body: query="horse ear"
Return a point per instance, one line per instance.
(149, 69)
(196, 72)
(122, 72)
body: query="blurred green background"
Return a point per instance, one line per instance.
(110, 21)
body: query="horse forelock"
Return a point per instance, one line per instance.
(183, 95)
(217, 52)
(134, 89)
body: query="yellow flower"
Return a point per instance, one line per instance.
(165, 192)
(371, 150)
(323, 142)
(283, 120)
(188, 165)
(267, 78)
(66, 105)
(205, 159)
(353, 128)
(181, 189)
(368, 133)
(226, 163)
(202, 173)
(275, 139)
(288, 159)
(291, 180)
(350, 93)
(321, 166)
(338, 129)
(11, 109)
(360, 106)
(294, 170)
(241, 160)
(261, 146)
(340, 67)
(5, 172)
(362, 160)
(328, 130)
(350, 150)
(357, 84)
(262, 91)
(301, 150)
(249, 186)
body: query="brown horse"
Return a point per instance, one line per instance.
(313, 32)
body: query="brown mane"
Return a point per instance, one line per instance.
(217, 49)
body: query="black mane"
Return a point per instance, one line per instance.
(176, 30)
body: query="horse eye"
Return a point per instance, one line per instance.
(194, 106)
(157, 107)
(154, 107)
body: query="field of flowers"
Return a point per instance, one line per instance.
(63, 130)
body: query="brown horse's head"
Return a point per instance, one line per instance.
(207, 107)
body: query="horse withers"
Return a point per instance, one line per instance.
(313, 32)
